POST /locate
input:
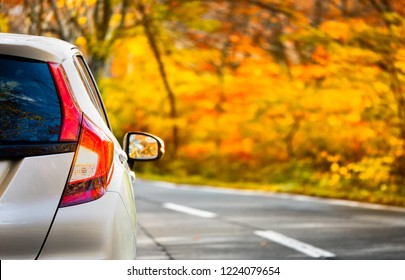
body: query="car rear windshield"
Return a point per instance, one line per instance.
(29, 103)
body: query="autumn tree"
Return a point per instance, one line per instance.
(94, 25)
(387, 41)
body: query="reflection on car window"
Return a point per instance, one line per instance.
(29, 104)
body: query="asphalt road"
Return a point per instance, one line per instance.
(193, 223)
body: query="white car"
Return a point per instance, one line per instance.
(66, 189)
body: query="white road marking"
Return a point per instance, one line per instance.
(189, 210)
(295, 244)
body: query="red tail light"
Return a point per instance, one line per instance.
(71, 115)
(92, 165)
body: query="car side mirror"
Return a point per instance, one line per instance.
(141, 146)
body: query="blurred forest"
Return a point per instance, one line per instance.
(304, 96)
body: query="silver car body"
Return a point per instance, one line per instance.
(32, 225)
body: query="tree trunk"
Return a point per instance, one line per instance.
(318, 12)
(395, 86)
(147, 26)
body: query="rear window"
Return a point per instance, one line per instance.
(29, 104)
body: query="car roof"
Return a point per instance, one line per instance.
(36, 47)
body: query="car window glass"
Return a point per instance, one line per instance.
(29, 104)
(92, 91)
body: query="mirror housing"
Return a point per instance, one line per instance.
(141, 146)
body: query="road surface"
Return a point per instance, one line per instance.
(193, 223)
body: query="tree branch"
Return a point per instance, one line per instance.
(61, 27)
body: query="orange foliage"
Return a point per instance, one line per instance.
(325, 102)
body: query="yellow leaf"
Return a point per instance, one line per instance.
(82, 20)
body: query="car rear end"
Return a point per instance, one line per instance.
(65, 186)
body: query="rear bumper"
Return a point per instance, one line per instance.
(101, 229)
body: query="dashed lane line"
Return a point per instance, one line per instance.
(279, 238)
(189, 210)
(297, 245)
